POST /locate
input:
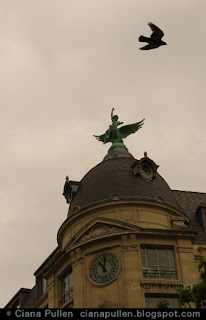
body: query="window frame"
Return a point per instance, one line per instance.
(163, 296)
(66, 294)
(42, 286)
(159, 271)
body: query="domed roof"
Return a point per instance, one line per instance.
(124, 178)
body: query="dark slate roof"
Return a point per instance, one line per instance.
(188, 202)
(116, 176)
(31, 298)
(22, 298)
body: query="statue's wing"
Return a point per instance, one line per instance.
(100, 138)
(104, 138)
(130, 128)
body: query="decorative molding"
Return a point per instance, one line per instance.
(178, 223)
(198, 257)
(146, 168)
(185, 250)
(98, 228)
(70, 189)
(79, 261)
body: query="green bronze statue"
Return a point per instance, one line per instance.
(115, 134)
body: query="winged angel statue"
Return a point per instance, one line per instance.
(115, 134)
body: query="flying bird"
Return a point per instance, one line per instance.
(155, 40)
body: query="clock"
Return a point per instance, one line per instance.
(104, 268)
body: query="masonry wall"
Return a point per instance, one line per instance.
(120, 229)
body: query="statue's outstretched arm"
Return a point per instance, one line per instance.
(112, 113)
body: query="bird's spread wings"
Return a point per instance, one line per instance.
(157, 32)
(149, 46)
(130, 128)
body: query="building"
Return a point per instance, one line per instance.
(128, 240)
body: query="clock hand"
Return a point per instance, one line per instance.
(104, 260)
(103, 267)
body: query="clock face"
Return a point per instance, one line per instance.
(104, 268)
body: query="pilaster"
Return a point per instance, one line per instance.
(132, 271)
(78, 275)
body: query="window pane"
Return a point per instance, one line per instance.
(153, 300)
(158, 263)
(143, 256)
(152, 272)
(64, 285)
(67, 286)
(147, 301)
(171, 257)
(176, 303)
(70, 280)
(173, 273)
(163, 257)
(165, 273)
(145, 271)
(44, 285)
(171, 302)
(67, 282)
(151, 256)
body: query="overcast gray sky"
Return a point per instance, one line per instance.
(64, 65)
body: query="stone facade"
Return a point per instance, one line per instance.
(128, 241)
(120, 228)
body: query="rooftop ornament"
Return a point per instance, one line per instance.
(116, 134)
